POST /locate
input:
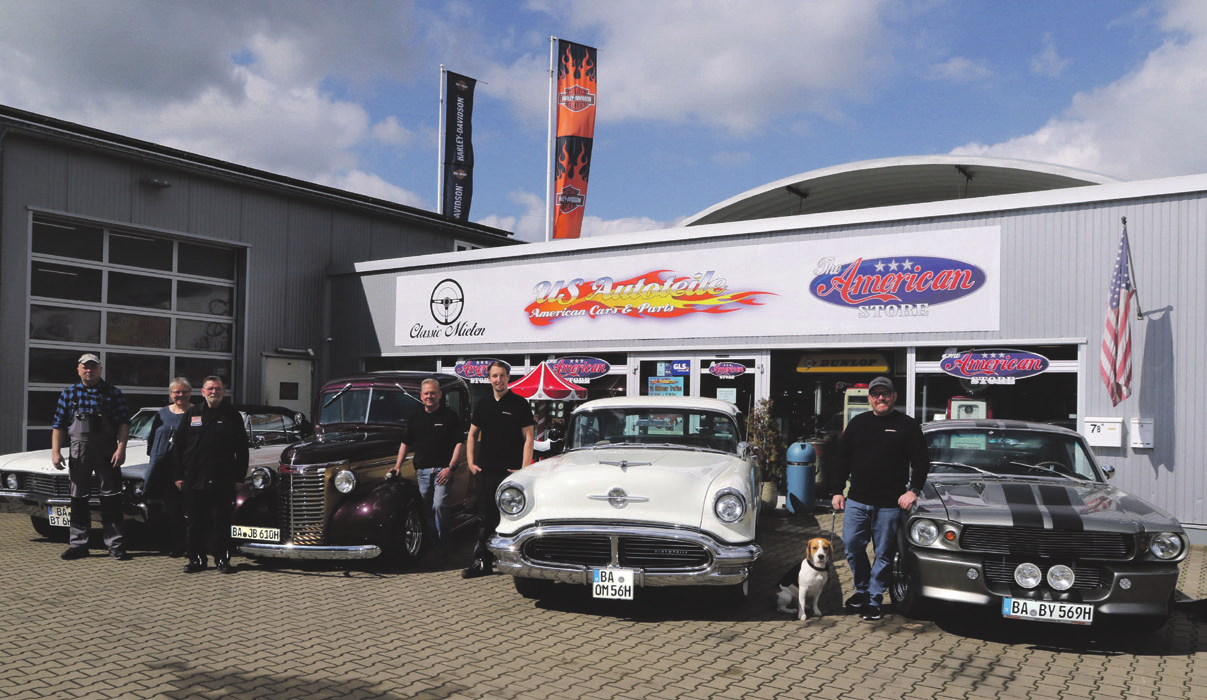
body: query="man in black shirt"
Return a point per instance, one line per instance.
(503, 424)
(885, 456)
(435, 436)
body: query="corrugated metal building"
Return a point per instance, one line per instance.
(803, 307)
(168, 263)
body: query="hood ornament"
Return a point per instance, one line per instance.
(624, 463)
(617, 498)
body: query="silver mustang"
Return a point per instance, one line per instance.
(1018, 516)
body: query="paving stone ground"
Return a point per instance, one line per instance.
(97, 628)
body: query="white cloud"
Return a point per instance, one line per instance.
(959, 69)
(1146, 124)
(529, 225)
(372, 185)
(1048, 63)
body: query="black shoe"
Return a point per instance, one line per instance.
(224, 566)
(857, 602)
(871, 611)
(478, 568)
(74, 553)
(119, 554)
(195, 565)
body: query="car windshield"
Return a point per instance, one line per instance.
(140, 424)
(1009, 453)
(653, 426)
(367, 405)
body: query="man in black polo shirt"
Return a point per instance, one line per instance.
(501, 435)
(435, 436)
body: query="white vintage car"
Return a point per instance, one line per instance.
(650, 491)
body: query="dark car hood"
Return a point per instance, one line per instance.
(1048, 503)
(351, 444)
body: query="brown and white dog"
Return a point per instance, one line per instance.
(804, 583)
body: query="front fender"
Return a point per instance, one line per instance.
(371, 512)
(255, 507)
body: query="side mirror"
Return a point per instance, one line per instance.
(1108, 470)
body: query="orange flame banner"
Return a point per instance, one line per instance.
(654, 295)
(576, 99)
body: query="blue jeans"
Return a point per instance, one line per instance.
(435, 503)
(862, 524)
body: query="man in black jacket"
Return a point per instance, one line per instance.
(885, 455)
(210, 460)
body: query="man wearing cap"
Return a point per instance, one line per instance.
(885, 456)
(92, 417)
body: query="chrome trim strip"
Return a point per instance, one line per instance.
(289, 551)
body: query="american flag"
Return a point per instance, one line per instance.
(1115, 362)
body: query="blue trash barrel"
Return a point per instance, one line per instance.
(802, 465)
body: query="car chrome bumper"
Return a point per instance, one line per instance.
(949, 576)
(289, 551)
(35, 505)
(730, 564)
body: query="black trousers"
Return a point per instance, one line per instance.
(486, 483)
(207, 515)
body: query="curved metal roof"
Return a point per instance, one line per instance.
(891, 181)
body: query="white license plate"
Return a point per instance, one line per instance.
(613, 584)
(267, 534)
(59, 516)
(1048, 611)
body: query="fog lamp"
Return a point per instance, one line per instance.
(1060, 577)
(1027, 575)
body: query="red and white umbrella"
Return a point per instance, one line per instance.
(543, 384)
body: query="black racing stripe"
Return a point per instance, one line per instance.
(1061, 507)
(1024, 511)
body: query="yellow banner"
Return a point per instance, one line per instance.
(817, 362)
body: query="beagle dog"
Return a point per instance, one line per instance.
(804, 583)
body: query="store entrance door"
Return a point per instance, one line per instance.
(732, 379)
(739, 379)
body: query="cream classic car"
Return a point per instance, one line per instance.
(650, 491)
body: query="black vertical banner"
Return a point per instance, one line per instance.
(458, 147)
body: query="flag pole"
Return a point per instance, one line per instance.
(440, 147)
(1131, 271)
(550, 146)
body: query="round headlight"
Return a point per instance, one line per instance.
(729, 506)
(12, 481)
(511, 499)
(1166, 545)
(344, 481)
(923, 532)
(1060, 577)
(261, 477)
(1028, 575)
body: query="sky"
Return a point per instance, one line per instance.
(698, 101)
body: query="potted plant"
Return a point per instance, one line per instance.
(763, 434)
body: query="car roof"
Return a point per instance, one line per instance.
(406, 379)
(995, 424)
(677, 403)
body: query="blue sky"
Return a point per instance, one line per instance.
(698, 101)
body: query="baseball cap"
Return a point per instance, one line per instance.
(882, 381)
(89, 357)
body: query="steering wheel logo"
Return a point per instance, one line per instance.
(447, 302)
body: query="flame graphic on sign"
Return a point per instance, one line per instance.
(643, 296)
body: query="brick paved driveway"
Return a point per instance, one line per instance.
(102, 629)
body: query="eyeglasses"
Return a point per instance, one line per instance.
(881, 394)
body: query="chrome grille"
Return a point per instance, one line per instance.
(1085, 578)
(1038, 542)
(303, 510)
(52, 485)
(651, 553)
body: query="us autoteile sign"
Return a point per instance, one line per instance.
(993, 366)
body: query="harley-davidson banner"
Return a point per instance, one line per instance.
(576, 100)
(458, 146)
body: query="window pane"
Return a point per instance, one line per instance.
(209, 336)
(54, 366)
(140, 251)
(64, 282)
(196, 369)
(68, 240)
(138, 330)
(41, 406)
(137, 370)
(206, 261)
(198, 298)
(139, 290)
(67, 325)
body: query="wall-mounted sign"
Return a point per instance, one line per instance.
(675, 368)
(993, 366)
(579, 370)
(815, 362)
(727, 370)
(476, 371)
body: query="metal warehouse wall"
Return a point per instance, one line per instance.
(1058, 250)
(291, 237)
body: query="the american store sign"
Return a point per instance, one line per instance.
(931, 281)
(993, 366)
